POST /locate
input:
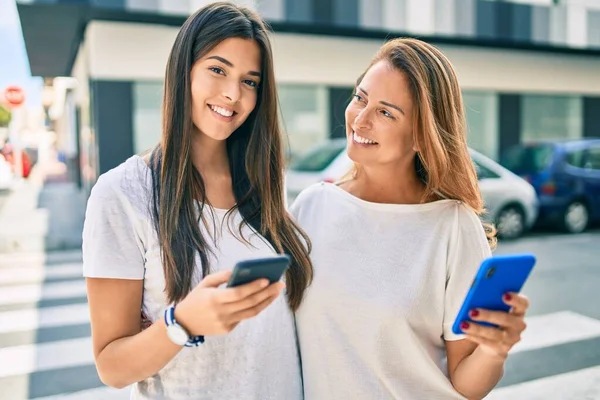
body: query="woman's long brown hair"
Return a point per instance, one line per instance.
(443, 161)
(255, 154)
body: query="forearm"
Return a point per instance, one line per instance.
(477, 374)
(135, 358)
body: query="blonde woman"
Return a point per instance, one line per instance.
(397, 244)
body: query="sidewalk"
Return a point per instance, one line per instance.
(39, 215)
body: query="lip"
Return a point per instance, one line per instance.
(362, 144)
(219, 116)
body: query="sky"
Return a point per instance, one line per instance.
(14, 64)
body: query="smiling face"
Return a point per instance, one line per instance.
(224, 85)
(379, 119)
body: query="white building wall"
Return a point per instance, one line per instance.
(339, 61)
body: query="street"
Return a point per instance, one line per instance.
(45, 347)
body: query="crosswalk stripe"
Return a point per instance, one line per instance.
(48, 291)
(16, 275)
(556, 328)
(32, 319)
(103, 393)
(577, 385)
(26, 359)
(38, 259)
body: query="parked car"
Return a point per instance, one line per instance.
(510, 201)
(566, 178)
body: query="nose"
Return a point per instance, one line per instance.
(362, 120)
(232, 92)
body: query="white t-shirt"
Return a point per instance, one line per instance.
(257, 360)
(389, 280)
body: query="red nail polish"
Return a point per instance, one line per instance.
(464, 326)
(474, 313)
(508, 297)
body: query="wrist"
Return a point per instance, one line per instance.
(181, 316)
(177, 332)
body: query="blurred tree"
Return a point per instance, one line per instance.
(5, 116)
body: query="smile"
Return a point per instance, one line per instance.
(224, 112)
(361, 140)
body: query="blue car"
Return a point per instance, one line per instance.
(566, 178)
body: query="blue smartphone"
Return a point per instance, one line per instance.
(270, 268)
(496, 276)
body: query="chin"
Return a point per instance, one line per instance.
(215, 133)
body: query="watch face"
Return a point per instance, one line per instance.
(177, 334)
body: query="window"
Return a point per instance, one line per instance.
(527, 159)
(481, 109)
(305, 114)
(484, 172)
(319, 158)
(575, 158)
(147, 115)
(592, 159)
(551, 117)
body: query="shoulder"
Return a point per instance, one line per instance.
(468, 230)
(308, 198)
(129, 182)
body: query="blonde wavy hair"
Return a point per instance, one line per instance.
(443, 161)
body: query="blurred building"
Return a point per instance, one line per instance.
(528, 69)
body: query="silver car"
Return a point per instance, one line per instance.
(510, 201)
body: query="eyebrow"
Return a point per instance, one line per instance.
(229, 64)
(385, 103)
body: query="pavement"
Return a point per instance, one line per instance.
(41, 213)
(45, 344)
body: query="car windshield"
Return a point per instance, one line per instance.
(318, 158)
(527, 159)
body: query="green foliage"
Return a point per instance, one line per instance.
(5, 116)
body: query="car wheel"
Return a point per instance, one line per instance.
(576, 217)
(510, 222)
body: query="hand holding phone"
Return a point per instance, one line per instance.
(252, 286)
(497, 276)
(271, 268)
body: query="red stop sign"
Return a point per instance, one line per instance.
(14, 96)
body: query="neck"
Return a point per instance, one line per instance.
(387, 184)
(209, 156)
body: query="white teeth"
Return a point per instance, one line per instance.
(221, 111)
(361, 139)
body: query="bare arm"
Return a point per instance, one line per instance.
(120, 349)
(476, 365)
(124, 354)
(473, 372)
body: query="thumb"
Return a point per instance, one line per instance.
(216, 279)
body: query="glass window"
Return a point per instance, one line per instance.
(147, 115)
(481, 109)
(305, 116)
(592, 159)
(551, 117)
(593, 27)
(527, 159)
(272, 10)
(319, 158)
(575, 158)
(484, 172)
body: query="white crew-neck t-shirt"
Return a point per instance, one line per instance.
(389, 280)
(258, 360)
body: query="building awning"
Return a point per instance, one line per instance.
(53, 33)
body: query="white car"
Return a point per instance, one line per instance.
(510, 201)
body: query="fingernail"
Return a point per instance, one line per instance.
(508, 297)
(264, 283)
(474, 313)
(464, 326)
